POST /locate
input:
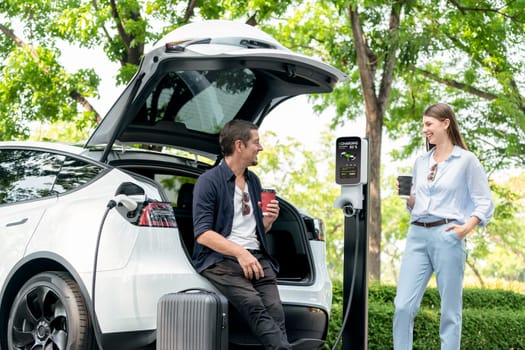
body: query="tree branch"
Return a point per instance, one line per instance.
(108, 37)
(492, 68)
(455, 84)
(189, 10)
(81, 100)
(19, 42)
(133, 52)
(476, 272)
(75, 95)
(464, 9)
(118, 21)
(390, 59)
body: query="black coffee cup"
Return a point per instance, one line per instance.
(405, 184)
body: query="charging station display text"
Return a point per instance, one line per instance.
(348, 160)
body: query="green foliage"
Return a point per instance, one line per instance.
(492, 319)
(505, 237)
(320, 30)
(35, 87)
(464, 54)
(60, 130)
(42, 99)
(305, 177)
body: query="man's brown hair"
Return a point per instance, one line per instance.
(234, 130)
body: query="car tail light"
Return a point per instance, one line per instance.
(157, 214)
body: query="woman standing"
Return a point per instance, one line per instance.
(450, 196)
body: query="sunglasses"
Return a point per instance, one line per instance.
(245, 204)
(432, 174)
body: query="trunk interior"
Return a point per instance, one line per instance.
(287, 240)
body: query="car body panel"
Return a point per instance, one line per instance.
(318, 294)
(127, 298)
(75, 239)
(17, 224)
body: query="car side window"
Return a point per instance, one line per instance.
(32, 174)
(27, 174)
(74, 173)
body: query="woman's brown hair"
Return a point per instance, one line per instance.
(442, 111)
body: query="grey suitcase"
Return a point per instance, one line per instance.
(194, 319)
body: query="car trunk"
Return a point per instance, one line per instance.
(287, 240)
(182, 96)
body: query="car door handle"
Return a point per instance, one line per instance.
(19, 222)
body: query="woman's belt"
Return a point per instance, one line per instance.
(433, 223)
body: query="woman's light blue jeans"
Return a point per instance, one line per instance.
(430, 250)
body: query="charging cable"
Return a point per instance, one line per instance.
(350, 211)
(121, 199)
(111, 204)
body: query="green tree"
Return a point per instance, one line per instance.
(35, 87)
(502, 246)
(402, 56)
(303, 176)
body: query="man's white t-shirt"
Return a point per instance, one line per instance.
(244, 226)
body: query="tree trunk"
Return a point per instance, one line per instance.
(476, 272)
(373, 132)
(375, 107)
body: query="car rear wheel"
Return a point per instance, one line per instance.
(49, 313)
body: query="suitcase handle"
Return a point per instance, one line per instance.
(196, 290)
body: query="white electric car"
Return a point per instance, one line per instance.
(92, 236)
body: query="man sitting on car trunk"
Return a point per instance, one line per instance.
(230, 229)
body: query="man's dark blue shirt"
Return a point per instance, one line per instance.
(213, 209)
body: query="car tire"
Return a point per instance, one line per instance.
(49, 313)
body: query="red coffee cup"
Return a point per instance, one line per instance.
(267, 195)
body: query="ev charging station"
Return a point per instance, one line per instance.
(351, 169)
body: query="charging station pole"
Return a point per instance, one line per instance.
(352, 174)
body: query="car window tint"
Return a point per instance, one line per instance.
(201, 100)
(172, 184)
(75, 173)
(27, 174)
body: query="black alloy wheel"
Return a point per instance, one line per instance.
(49, 313)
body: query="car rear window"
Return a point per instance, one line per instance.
(201, 100)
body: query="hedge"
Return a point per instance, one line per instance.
(492, 319)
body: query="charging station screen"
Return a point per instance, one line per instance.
(348, 160)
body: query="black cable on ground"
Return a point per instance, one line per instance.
(352, 283)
